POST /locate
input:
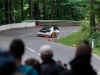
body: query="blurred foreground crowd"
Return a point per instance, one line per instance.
(10, 61)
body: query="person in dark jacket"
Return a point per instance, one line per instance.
(80, 65)
(17, 49)
(49, 66)
(7, 64)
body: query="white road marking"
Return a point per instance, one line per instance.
(26, 34)
(33, 50)
(30, 49)
(38, 53)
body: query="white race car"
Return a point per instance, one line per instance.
(50, 31)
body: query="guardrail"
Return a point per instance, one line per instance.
(17, 25)
(31, 23)
(51, 21)
(56, 22)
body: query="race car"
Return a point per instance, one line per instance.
(50, 31)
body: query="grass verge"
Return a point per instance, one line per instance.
(74, 38)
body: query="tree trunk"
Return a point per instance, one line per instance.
(51, 6)
(44, 9)
(7, 12)
(92, 17)
(30, 9)
(22, 10)
(36, 10)
(57, 8)
(12, 12)
(99, 14)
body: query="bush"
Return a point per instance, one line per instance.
(85, 28)
(96, 36)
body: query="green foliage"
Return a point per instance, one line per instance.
(85, 26)
(62, 9)
(72, 38)
(82, 34)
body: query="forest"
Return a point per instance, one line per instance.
(15, 11)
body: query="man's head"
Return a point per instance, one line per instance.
(46, 52)
(17, 48)
(83, 48)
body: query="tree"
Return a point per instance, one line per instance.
(12, 12)
(22, 11)
(7, 11)
(44, 9)
(51, 5)
(92, 17)
(99, 13)
(30, 9)
(57, 8)
(36, 10)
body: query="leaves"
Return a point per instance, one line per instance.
(62, 9)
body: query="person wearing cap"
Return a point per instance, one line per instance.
(49, 66)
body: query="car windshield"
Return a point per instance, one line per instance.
(46, 27)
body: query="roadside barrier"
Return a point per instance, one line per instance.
(17, 25)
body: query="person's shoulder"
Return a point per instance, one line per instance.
(26, 69)
(67, 72)
(58, 65)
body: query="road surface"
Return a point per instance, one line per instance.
(33, 43)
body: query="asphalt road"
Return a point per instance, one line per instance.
(33, 43)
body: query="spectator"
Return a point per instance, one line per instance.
(17, 49)
(63, 65)
(49, 66)
(80, 65)
(35, 63)
(7, 64)
(98, 27)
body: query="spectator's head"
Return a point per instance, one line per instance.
(58, 62)
(83, 48)
(46, 52)
(7, 64)
(17, 48)
(35, 63)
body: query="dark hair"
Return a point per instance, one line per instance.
(17, 48)
(35, 63)
(85, 42)
(84, 49)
